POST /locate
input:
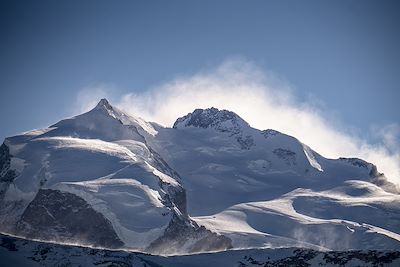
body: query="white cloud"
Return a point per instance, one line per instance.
(263, 99)
(390, 135)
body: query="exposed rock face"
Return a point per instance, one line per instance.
(222, 120)
(373, 172)
(377, 178)
(356, 162)
(269, 132)
(286, 155)
(7, 175)
(245, 142)
(185, 233)
(61, 216)
(176, 197)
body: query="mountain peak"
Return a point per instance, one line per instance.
(105, 107)
(104, 104)
(222, 120)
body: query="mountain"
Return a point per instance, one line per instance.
(209, 183)
(93, 180)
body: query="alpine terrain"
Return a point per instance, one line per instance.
(210, 183)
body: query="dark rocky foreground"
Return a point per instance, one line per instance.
(20, 252)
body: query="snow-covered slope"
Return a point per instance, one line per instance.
(267, 189)
(93, 180)
(211, 182)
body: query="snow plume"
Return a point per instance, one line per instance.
(325, 236)
(89, 96)
(264, 100)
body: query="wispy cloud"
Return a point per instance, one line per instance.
(263, 99)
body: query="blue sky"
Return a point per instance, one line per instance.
(342, 54)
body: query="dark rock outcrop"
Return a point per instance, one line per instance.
(211, 117)
(65, 217)
(183, 232)
(221, 120)
(7, 175)
(288, 156)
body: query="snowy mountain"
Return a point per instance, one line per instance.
(209, 183)
(93, 180)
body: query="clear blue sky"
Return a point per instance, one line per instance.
(345, 53)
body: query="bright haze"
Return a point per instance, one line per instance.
(326, 73)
